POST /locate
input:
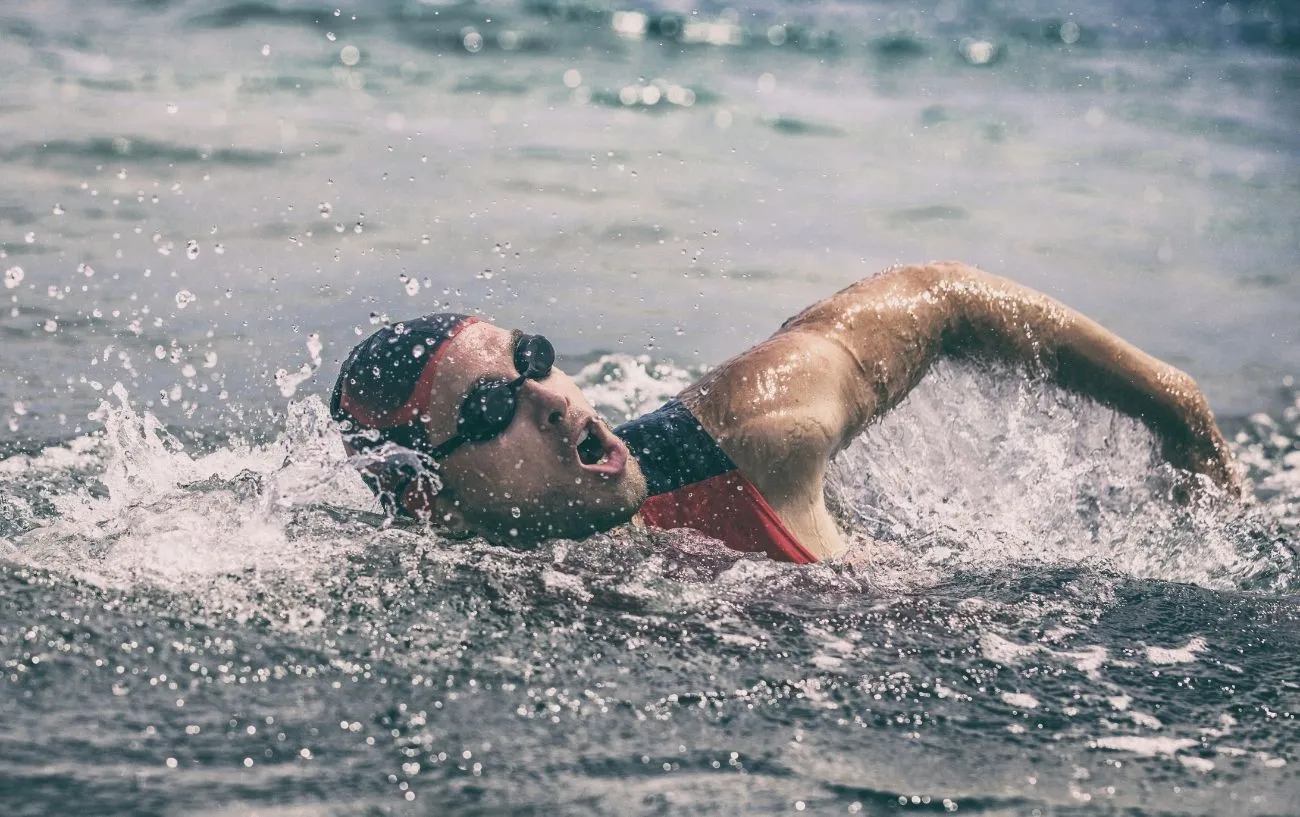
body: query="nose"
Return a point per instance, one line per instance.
(550, 406)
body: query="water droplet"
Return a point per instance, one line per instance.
(978, 52)
(266, 52)
(516, 512)
(314, 348)
(172, 108)
(191, 249)
(219, 249)
(572, 78)
(58, 209)
(184, 298)
(13, 277)
(51, 325)
(350, 55)
(325, 209)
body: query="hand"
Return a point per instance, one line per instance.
(1198, 446)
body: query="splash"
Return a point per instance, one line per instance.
(978, 473)
(981, 470)
(132, 503)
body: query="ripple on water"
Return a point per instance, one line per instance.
(247, 604)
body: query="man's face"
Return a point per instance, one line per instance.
(529, 482)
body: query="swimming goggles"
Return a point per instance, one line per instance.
(489, 407)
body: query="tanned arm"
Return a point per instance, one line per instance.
(877, 338)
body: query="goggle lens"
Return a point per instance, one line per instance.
(490, 406)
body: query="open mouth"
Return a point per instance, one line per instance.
(599, 450)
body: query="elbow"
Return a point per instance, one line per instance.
(940, 279)
(948, 286)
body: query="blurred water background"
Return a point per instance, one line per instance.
(206, 204)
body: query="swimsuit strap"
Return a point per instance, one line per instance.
(673, 449)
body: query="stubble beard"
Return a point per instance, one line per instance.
(576, 512)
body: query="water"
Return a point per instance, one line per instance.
(209, 204)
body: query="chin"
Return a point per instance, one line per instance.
(567, 517)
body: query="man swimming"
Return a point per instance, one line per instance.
(471, 426)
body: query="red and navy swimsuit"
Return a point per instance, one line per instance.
(694, 484)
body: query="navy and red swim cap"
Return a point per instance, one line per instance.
(382, 395)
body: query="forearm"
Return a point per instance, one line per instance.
(990, 313)
(987, 314)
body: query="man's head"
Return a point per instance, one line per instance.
(518, 452)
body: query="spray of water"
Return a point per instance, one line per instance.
(978, 472)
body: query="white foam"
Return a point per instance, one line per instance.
(1143, 719)
(1008, 653)
(1146, 746)
(1196, 764)
(180, 519)
(983, 469)
(1020, 700)
(1176, 655)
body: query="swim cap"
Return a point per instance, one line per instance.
(381, 396)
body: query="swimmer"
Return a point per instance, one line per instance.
(472, 428)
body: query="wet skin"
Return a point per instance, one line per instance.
(528, 483)
(783, 408)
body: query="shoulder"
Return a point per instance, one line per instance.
(776, 406)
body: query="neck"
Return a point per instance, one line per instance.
(673, 449)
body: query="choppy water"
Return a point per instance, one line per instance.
(200, 612)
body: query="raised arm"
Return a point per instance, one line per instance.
(867, 346)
